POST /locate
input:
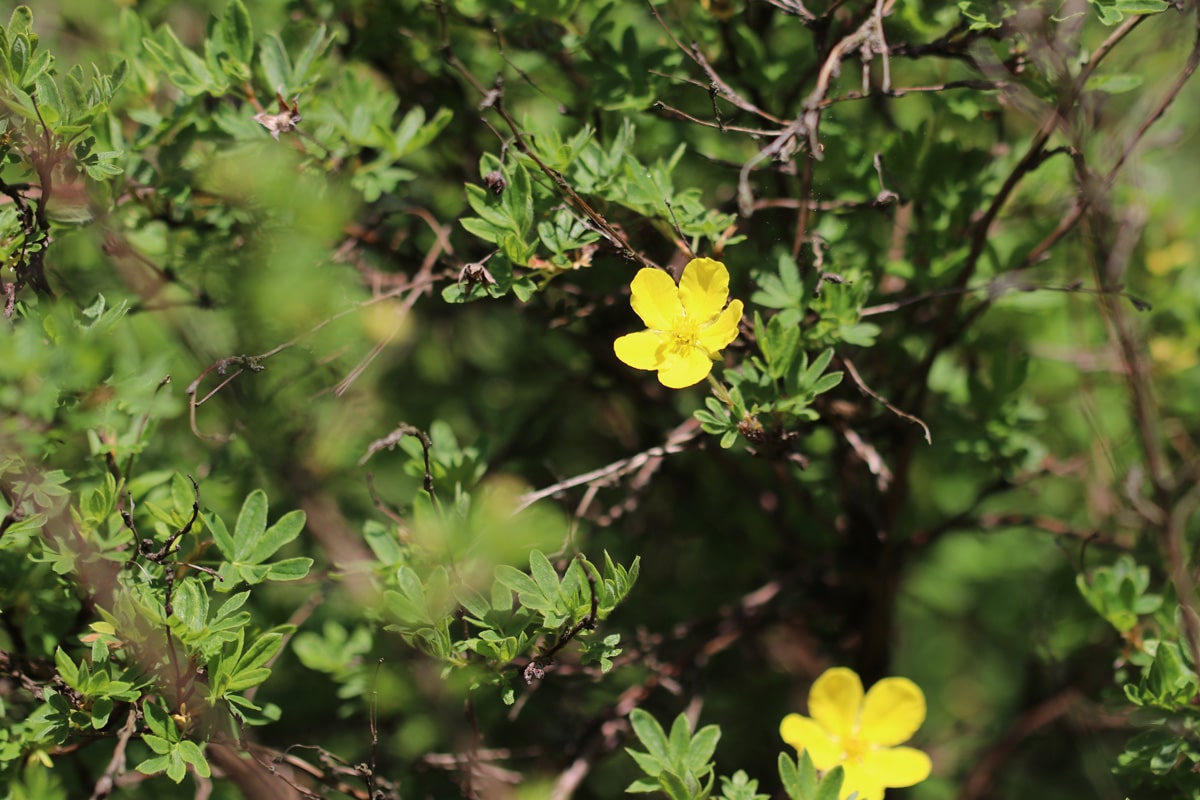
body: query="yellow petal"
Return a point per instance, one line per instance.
(716, 336)
(641, 350)
(896, 766)
(856, 779)
(834, 700)
(655, 299)
(803, 733)
(680, 370)
(704, 288)
(892, 712)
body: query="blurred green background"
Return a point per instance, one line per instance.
(957, 569)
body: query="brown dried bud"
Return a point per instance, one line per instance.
(495, 181)
(285, 121)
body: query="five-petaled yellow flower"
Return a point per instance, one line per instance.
(688, 324)
(862, 733)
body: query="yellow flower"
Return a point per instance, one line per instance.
(861, 733)
(721, 9)
(687, 326)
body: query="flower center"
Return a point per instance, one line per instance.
(853, 748)
(685, 335)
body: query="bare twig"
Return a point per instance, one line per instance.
(715, 80)
(393, 439)
(850, 368)
(116, 764)
(674, 444)
(982, 777)
(868, 40)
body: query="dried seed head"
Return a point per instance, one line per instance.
(494, 180)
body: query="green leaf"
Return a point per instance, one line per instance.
(190, 752)
(152, 766)
(252, 573)
(644, 786)
(225, 612)
(780, 342)
(650, 734)
(831, 784)
(789, 777)
(679, 742)
(1114, 84)
(826, 382)
(250, 526)
(49, 100)
(286, 529)
(289, 569)
(544, 575)
(482, 228)
(518, 199)
(703, 745)
(191, 603)
(247, 679)
(158, 721)
(807, 774)
(273, 58)
(238, 31)
(20, 20)
(102, 708)
(76, 95)
(176, 767)
(66, 668)
(413, 133)
(648, 763)
(317, 43)
(674, 786)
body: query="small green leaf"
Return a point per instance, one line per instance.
(66, 668)
(831, 784)
(176, 767)
(102, 708)
(152, 766)
(273, 58)
(674, 786)
(289, 569)
(650, 734)
(644, 786)
(544, 574)
(701, 750)
(1114, 84)
(286, 529)
(317, 43)
(679, 741)
(238, 31)
(190, 752)
(251, 523)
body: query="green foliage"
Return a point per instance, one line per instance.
(252, 543)
(679, 764)
(1118, 593)
(740, 787)
(239, 241)
(172, 754)
(801, 781)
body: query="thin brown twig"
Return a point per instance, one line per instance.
(850, 368)
(254, 363)
(731, 623)
(116, 765)
(659, 105)
(420, 284)
(983, 776)
(676, 443)
(714, 77)
(494, 99)
(867, 39)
